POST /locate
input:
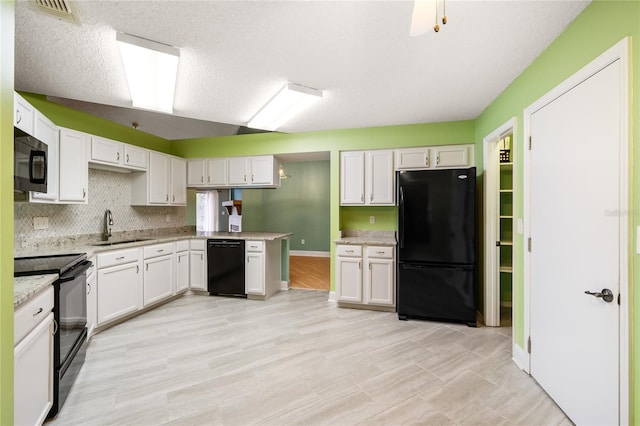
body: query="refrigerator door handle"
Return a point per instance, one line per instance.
(401, 208)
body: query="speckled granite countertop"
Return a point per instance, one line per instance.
(365, 237)
(95, 246)
(25, 288)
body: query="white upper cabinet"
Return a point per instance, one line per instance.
(452, 156)
(352, 177)
(74, 173)
(196, 172)
(259, 171)
(47, 132)
(23, 114)
(164, 183)
(178, 181)
(135, 158)
(412, 158)
(238, 170)
(434, 157)
(116, 156)
(380, 178)
(106, 151)
(367, 178)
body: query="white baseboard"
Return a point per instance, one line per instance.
(332, 296)
(284, 285)
(309, 253)
(520, 357)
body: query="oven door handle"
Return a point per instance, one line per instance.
(79, 269)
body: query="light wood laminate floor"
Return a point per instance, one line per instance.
(299, 359)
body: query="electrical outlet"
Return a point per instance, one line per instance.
(40, 222)
(302, 242)
(372, 219)
(167, 218)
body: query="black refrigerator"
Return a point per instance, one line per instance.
(436, 276)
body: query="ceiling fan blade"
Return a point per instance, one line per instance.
(422, 18)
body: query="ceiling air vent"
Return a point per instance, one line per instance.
(62, 9)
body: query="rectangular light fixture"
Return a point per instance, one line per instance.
(151, 69)
(289, 101)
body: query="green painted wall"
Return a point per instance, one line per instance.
(600, 26)
(6, 210)
(334, 141)
(68, 117)
(301, 205)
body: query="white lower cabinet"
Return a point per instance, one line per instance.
(158, 273)
(262, 268)
(33, 360)
(119, 284)
(365, 275)
(198, 265)
(182, 266)
(92, 298)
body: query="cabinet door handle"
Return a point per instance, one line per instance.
(19, 116)
(119, 257)
(159, 250)
(369, 266)
(137, 269)
(89, 288)
(245, 178)
(84, 193)
(166, 197)
(179, 259)
(55, 327)
(174, 198)
(362, 198)
(252, 178)
(359, 265)
(380, 252)
(38, 312)
(426, 160)
(349, 251)
(438, 159)
(117, 156)
(371, 197)
(127, 158)
(201, 256)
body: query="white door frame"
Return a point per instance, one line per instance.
(620, 51)
(491, 227)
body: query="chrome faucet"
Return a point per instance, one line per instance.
(108, 223)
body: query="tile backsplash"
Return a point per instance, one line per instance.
(107, 190)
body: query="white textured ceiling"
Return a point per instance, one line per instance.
(236, 54)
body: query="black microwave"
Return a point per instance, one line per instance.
(29, 163)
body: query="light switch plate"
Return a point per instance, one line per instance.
(372, 219)
(167, 218)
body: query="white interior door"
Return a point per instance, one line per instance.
(575, 200)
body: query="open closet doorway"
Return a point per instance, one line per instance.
(499, 192)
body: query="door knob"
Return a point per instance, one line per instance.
(605, 294)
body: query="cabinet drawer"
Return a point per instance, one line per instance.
(29, 315)
(117, 258)
(255, 246)
(381, 252)
(349, 251)
(182, 245)
(158, 250)
(198, 244)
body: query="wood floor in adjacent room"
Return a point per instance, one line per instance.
(312, 273)
(299, 359)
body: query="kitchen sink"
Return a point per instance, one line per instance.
(114, 243)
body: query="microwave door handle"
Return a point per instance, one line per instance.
(401, 217)
(35, 154)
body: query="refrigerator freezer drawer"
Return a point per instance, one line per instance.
(444, 293)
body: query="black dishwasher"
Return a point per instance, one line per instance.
(225, 268)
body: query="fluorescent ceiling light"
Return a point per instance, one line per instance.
(289, 101)
(151, 70)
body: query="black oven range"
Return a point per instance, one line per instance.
(69, 312)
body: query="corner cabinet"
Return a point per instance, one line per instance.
(164, 183)
(365, 275)
(262, 268)
(198, 265)
(74, 171)
(367, 178)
